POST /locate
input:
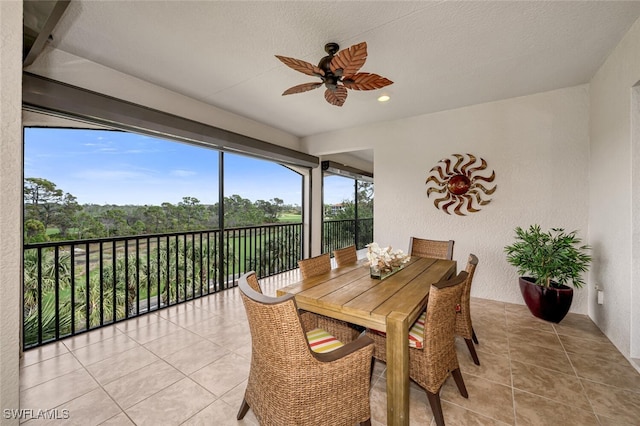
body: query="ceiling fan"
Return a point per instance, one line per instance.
(338, 73)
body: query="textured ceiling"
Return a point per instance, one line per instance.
(441, 55)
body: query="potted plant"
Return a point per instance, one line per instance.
(547, 262)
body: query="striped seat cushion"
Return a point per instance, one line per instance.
(321, 341)
(416, 332)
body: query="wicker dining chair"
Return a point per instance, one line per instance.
(342, 330)
(464, 326)
(431, 248)
(431, 362)
(291, 384)
(315, 265)
(345, 256)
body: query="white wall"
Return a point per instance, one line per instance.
(10, 203)
(538, 146)
(614, 213)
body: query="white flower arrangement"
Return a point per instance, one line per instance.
(385, 259)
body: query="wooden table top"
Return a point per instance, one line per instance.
(349, 293)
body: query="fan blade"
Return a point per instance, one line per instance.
(366, 81)
(336, 97)
(305, 87)
(349, 60)
(302, 66)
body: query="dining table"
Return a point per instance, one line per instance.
(390, 305)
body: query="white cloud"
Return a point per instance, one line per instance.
(182, 173)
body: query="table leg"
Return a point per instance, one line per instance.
(397, 370)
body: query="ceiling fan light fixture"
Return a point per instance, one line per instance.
(338, 71)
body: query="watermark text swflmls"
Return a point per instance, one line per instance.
(35, 413)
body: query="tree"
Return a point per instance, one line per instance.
(192, 213)
(154, 218)
(66, 212)
(41, 197)
(115, 222)
(88, 226)
(271, 209)
(34, 231)
(240, 211)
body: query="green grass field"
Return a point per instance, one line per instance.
(290, 218)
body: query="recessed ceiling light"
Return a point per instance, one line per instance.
(383, 98)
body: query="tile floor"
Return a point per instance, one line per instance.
(187, 365)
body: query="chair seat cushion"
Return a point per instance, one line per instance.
(321, 341)
(416, 332)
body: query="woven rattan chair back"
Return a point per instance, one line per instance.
(431, 366)
(289, 384)
(315, 265)
(431, 248)
(464, 326)
(252, 280)
(345, 256)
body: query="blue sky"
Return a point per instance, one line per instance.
(111, 167)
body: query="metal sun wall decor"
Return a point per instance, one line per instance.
(461, 184)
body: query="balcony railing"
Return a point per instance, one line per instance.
(341, 233)
(75, 286)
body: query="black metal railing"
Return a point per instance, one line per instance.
(337, 234)
(71, 287)
(74, 286)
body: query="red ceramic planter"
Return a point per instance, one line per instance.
(549, 304)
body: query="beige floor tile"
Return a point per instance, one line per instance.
(221, 414)
(546, 339)
(515, 347)
(618, 404)
(419, 409)
(104, 349)
(92, 408)
(58, 391)
(488, 320)
(42, 353)
(119, 420)
(171, 406)
(121, 364)
(166, 345)
(231, 337)
(157, 329)
(91, 337)
(139, 322)
(608, 421)
(176, 311)
(196, 356)
(212, 325)
(492, 367)
(48, 369)
(600, 349)
(524, 319)
(193, 316)
(222, 375)
(140, 384)
(542, 357)
(492, 339)
(487, 398)
(577, 325)
(549, 384)
(607, 372)
(538, 411)
(455, 415)
(235, 396)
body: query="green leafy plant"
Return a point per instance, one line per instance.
(553, 255)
